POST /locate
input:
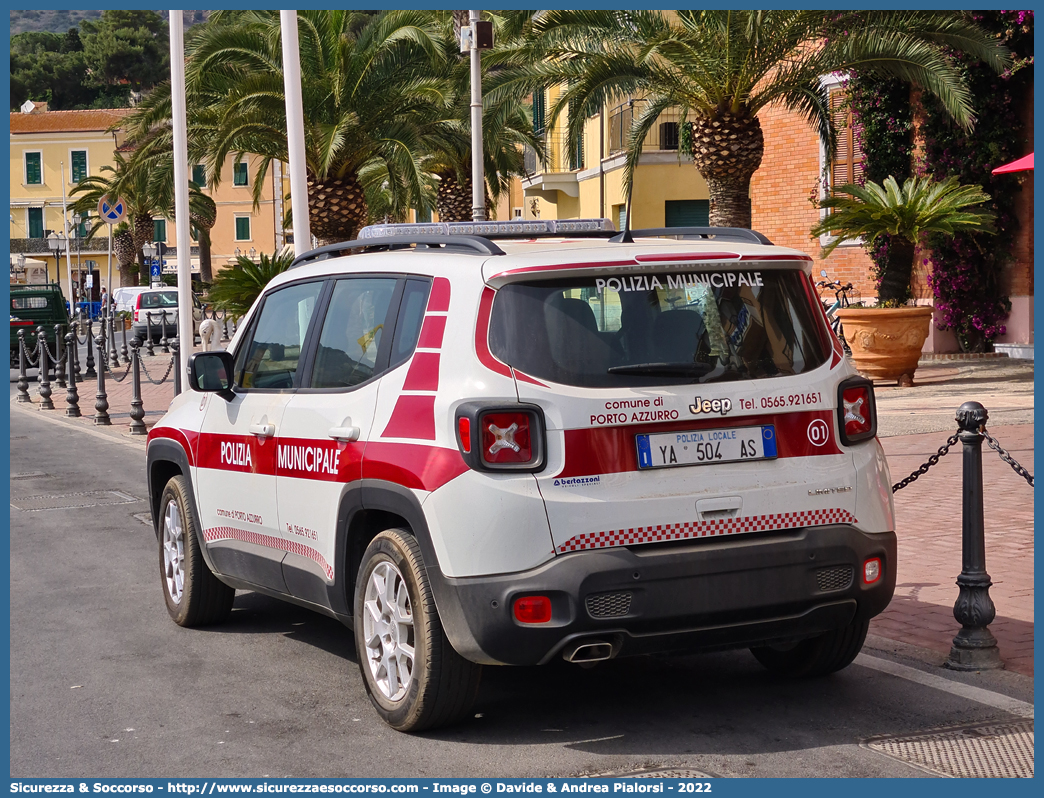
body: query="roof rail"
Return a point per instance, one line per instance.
(740, 234)
(469, 244)
(535, 228)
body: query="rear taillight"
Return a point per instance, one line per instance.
(856, 410)
(137, 309)
(464, 434)
(501, 438)
(533, 609)
(506, 438)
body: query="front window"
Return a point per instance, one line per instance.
(239, 174)
(269, 358)
(675, 328)
(242, 228)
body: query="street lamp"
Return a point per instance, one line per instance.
(253, 253)
(56, 243)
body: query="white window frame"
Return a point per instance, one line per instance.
(25, 168)
(829, 82)
(86, 159)
(235, 227)
(246, 169)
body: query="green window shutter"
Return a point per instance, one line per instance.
(423, 215)
(79, 165)
(242, 228)
(82, 230)
(36, 223)
(159, 230)
(33, 169)
(199, 175)
(239, 174)
(686, 213)
(539, 111)
(621, 218)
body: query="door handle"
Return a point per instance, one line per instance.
(262, 430)
(346, 433)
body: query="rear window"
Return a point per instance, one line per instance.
(28, 302)
(655, 329)
(160, 299)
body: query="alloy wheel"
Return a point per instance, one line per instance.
(389, 631)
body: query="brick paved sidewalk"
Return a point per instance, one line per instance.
(928, 526)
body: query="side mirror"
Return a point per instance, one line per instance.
(211, 372)
(822, 273)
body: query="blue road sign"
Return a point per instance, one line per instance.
(112, 212)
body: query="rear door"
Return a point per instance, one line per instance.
(236, 475)
(680, 403)
(326, 425)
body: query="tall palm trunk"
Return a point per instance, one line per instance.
(727, 150)
(898, 269)
(123, 249)
(454, 198)
(336, 210)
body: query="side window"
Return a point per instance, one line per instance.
(352, 332)
(269, 358)
(411, 314)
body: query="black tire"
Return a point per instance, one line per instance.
(816, 656)
(204, 599)
(441, 686)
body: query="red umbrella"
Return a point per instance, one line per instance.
(1024, 164)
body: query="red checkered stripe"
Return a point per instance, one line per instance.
(270, 541)
(706, 529)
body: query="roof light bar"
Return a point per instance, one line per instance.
(514, 229)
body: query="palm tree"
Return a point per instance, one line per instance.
(119, 180)
(506, 129)
(235, 290)
(368, 94)
(722, 68)
(920, 206)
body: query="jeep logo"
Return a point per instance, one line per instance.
(720, 407)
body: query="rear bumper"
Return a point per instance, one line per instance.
(714, 594)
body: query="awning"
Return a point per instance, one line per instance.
(1024, 164)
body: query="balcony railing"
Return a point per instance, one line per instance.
(664, 135)
(556, 154)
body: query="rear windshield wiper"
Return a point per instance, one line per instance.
(663, 369)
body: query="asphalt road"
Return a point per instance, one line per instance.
(104, 684)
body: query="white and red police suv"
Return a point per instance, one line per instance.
(501, 443)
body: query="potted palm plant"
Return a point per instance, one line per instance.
(886, 340)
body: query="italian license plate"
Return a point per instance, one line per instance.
(705, 446)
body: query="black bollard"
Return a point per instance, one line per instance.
(90, 373)
(45, 385)
(114, 355)
(974, 647)
(137, 411)
(164, 341)
(23, 380)
(175, 346)
(101, 403)
(148, 334)
(59, 363)
(72, 396)
(124, 352)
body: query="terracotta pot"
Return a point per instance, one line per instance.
(886, 342)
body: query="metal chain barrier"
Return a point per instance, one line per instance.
(162, 379)
(51, 355)
(30, 362)
(1007, 458)
(108, 368)
(943, 450)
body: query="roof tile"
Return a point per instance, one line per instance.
(67, 121)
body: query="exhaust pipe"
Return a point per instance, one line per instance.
(588, 651)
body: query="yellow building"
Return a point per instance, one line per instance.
(47, 144)
(667, 189)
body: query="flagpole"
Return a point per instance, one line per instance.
(68, 243)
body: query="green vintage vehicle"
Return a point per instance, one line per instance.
(31, 306)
